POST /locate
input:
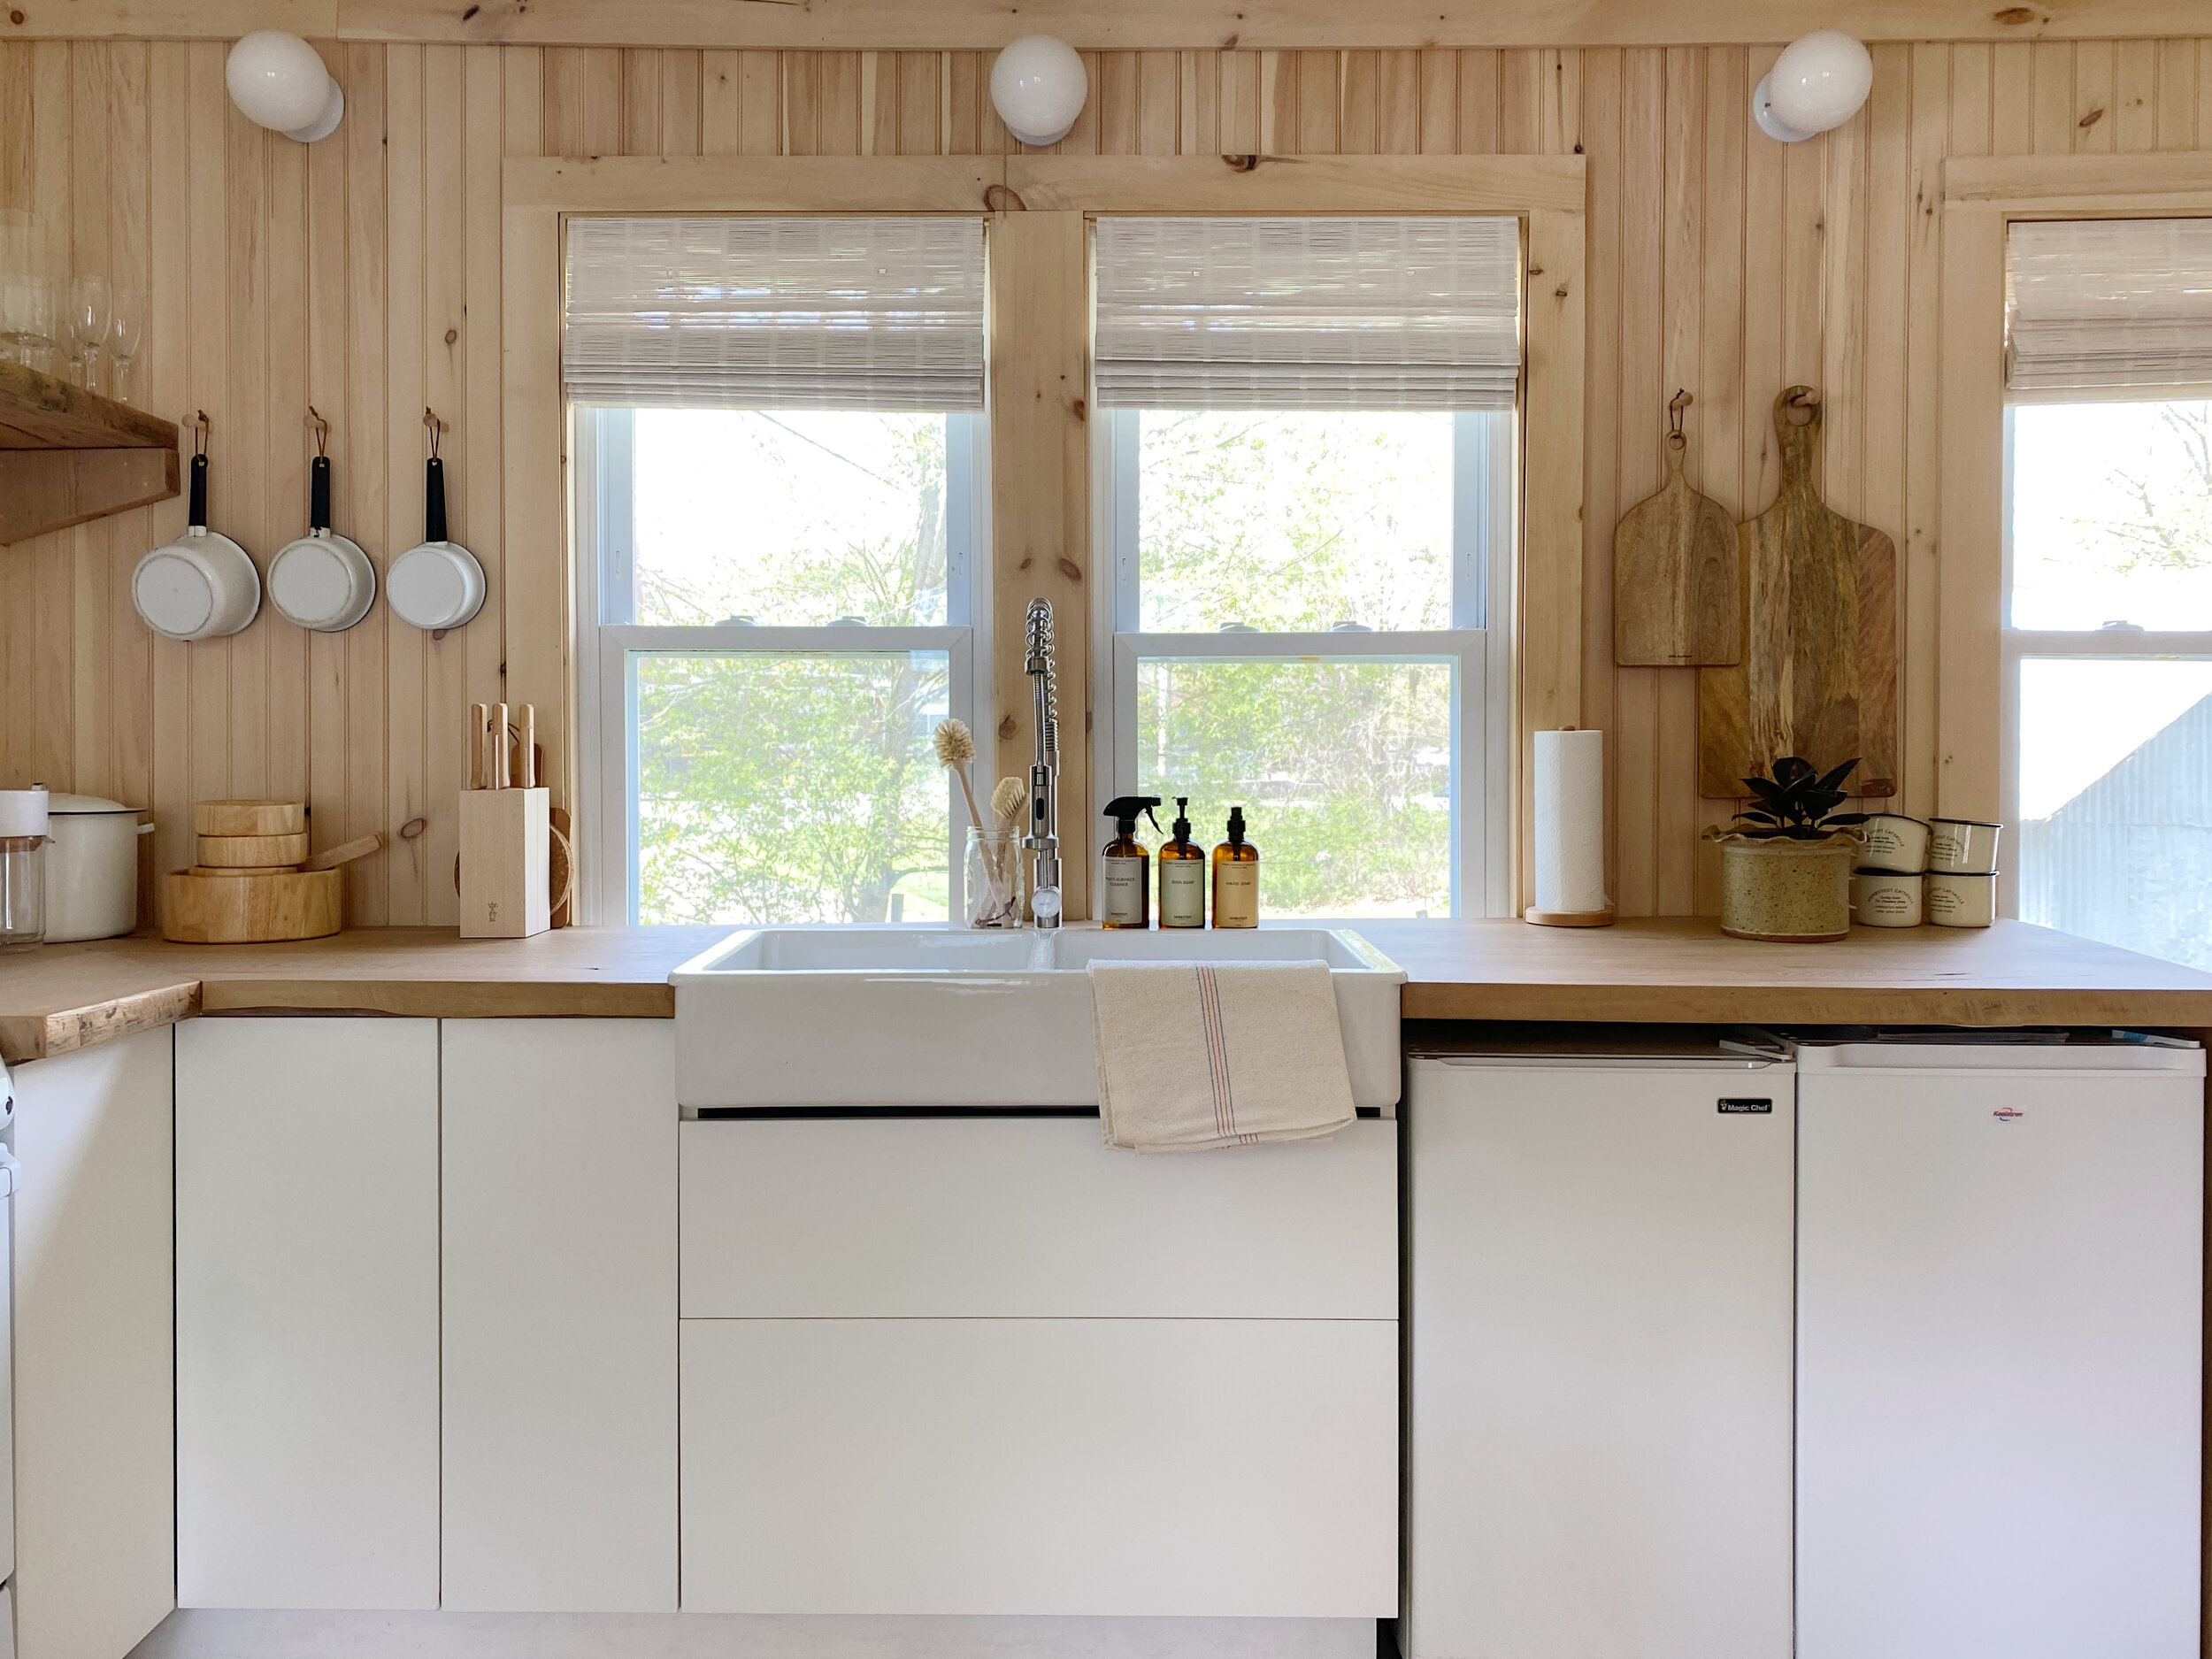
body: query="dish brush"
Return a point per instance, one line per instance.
(956, 750)
(1008, 801)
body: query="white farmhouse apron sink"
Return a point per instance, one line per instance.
(936, 1017)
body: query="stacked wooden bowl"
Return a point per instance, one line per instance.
(254, 881)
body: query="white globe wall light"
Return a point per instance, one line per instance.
(277, 81)
(1818, 82)
(1038, 87)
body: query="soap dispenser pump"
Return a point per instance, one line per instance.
(1182, 874)
(1236, 878)
(1125, 899)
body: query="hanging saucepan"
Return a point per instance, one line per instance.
(321, 581)
(201, 585)
(437, 584)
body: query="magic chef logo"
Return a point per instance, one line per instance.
(2007, 1114)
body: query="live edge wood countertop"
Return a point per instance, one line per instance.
(1680, 970)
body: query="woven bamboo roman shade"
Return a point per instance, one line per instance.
(1308, 313)
(775, 313)
(2108, 308)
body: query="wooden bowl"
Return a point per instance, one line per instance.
(198, 910)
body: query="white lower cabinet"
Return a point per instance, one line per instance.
(560, 1316)
(94, 1492)
(307, 1313)
(1040, 1377)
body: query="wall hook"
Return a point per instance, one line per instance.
(430, 419)
(199, 424)
(322, 432)
(1680, 400)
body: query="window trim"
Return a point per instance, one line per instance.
(1485, 445)
(606, 817)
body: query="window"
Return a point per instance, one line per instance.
(1311, 449)
(779, 476)
(2108, 593)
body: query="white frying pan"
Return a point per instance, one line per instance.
(321, 581)
(437, 584)
(201, 585)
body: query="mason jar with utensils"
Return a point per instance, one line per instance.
(23, 826)
(1962, 846)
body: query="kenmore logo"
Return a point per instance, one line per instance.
(1733, 1107)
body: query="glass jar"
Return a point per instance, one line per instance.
(995, 877)
(22, 891)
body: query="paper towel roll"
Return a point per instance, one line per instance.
(1569, 844)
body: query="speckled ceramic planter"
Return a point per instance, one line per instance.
(1786, 892)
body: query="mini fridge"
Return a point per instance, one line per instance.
(1999, 1251)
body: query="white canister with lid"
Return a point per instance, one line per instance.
(91, 867)
(23, 824)
(1885, 898)
(1894, 841)
(1962, 899)
(1967, 846)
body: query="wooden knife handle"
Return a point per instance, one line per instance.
(497, 733)
(478, 715)
(526, 745)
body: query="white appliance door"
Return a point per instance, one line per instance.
(1599, 1400)
(1999, 1353)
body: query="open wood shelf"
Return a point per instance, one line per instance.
(69, 456)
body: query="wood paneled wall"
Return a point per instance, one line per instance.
(362, 276)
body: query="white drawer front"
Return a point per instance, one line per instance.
(1031, 1217)
(1130, 1467)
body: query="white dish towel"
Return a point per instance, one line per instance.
(1198, 1054)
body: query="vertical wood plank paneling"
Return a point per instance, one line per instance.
(408, 650)
(282, 276)
(368, 645)
(1644, 202)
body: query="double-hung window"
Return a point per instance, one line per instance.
(780, 455)
(1310, 439)
(2109, 579)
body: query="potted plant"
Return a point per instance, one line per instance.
(1786, 861)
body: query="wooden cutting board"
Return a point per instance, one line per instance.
(1676, 599)
(1819, 671)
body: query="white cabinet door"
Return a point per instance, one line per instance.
(307, 1313)
(1127, 1467)
(93, 1406)
(1599, 1347)
(560, 1315)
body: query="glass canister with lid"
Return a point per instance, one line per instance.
(22, 867)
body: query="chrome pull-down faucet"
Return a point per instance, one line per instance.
(1043, 836)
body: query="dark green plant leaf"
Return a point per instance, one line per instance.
(1790, 768)
(1834, 779)
(1848, 817)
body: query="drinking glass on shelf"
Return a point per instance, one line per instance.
(26, 321)
(126, 334)
(88, 305)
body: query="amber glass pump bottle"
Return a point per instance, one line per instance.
(1182, 874)
(1236, 878)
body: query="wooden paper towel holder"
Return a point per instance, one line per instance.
(1568, 919)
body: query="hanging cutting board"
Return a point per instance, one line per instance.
(1676, 601)
(1818, 672)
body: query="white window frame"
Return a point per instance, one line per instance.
(2078, 644)
(608, 642)
(1485, 523)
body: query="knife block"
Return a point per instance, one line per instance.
(504, 862)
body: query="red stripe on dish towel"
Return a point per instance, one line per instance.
(1217, 1052)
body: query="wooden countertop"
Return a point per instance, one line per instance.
(1678, 970)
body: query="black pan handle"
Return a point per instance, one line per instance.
(199, 492)
(318, 494)
(434, 500)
